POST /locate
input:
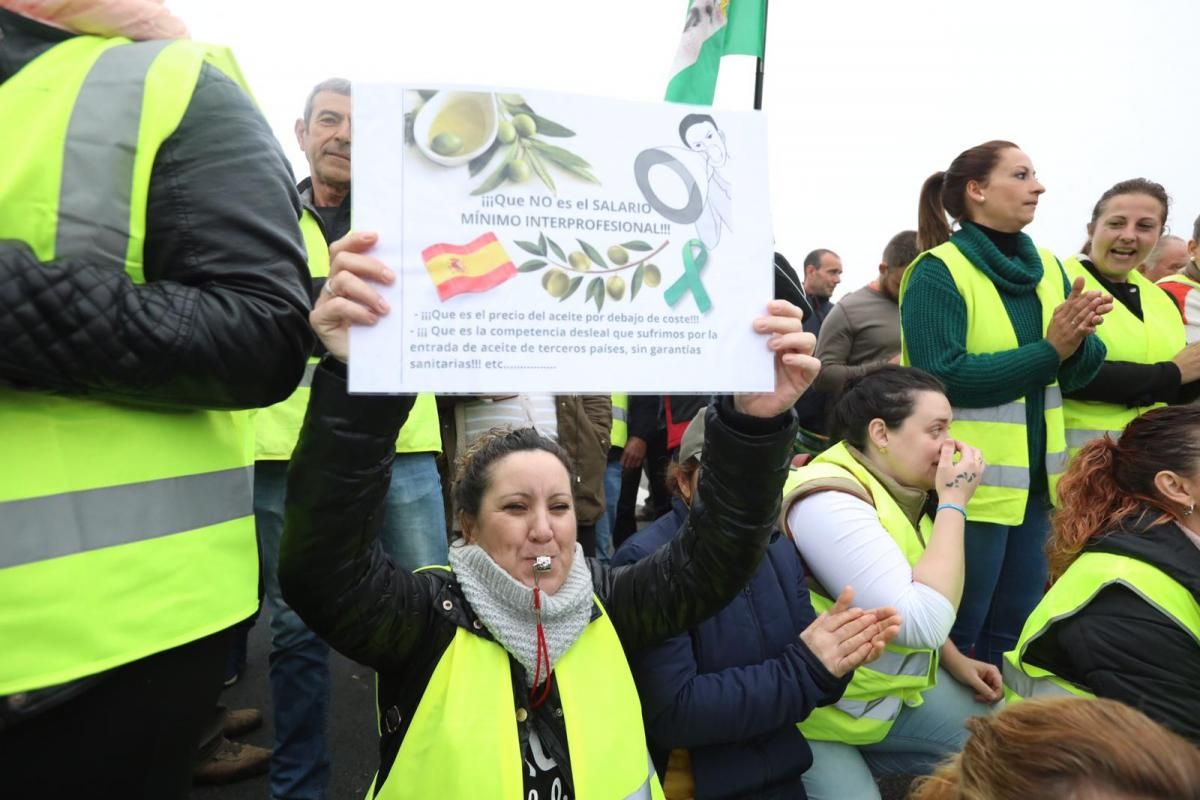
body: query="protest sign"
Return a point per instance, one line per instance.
(546, 242)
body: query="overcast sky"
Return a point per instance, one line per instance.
(864, 100)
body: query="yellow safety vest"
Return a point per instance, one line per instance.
(1155, 338)
(999, 432)
(620, 423)
(1083, 580)
(877, 693)
(123, 531)
(463, 743)
(277, 428)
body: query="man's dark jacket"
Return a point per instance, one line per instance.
(222, 320)
(732, 688)
(1121, 647)
(335, 575)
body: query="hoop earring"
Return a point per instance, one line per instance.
(1187, 512)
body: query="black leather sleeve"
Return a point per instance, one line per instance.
(221, 321)
(332, 568)
(743, 469)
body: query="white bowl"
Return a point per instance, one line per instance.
(434, 105)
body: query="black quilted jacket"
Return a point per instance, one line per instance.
(334, 573)
(221, 321)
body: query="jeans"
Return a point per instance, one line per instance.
(1005, 579)
(413, 535)
(920, 738)
(604, 525)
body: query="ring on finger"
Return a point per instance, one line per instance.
(328, 287)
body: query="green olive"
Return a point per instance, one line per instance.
(506, 133)
(616, 287)
(518, 170)
(651, 276)
(618, 255)
(524, 125)
(580, 261)
(446, 144)
(555, 282)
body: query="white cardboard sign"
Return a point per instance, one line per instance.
(546, 242)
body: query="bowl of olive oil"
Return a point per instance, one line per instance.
(452, 128)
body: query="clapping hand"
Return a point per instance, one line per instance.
(1076, 318)
(844, 638)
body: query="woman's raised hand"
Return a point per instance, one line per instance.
(1076, 318)
(844, 638)
(795, 367)
(957, 480)
(349, 297)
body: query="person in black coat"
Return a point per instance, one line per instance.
(514, 494)
(1135, 498)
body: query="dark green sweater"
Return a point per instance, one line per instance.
(934, 321)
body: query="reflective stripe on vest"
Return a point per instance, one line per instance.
(876, 694)
(999, 432)
(276, 429)
(123, 531)
(1090, 574)
(464, 743)
(1155, 338)
(620, 421)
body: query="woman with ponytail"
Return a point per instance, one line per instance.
(1121, 619)
(994, 318)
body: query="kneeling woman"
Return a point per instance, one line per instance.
(860, 515)
(1121, 620)
(506, 677)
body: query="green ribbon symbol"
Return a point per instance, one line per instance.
(695, 256)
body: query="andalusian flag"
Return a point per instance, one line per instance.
(714, 28)
(474, 267)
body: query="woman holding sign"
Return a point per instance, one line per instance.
(993, 317)
(504, 675)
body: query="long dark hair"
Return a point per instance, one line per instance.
(887, 393)
(945, 192)
(1110, 482)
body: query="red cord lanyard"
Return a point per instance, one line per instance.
(543, 651)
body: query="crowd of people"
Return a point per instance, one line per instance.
(957, 541)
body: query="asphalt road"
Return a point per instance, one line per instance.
(352, 737)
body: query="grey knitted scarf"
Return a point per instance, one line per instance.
(505, 605)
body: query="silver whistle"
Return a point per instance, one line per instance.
(541, 564)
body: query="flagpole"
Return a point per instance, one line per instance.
(758, 75)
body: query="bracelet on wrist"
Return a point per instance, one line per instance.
(952, 506)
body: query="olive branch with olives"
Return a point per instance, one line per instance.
(520, 130)
(559, 284)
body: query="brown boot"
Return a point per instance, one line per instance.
(240, 721)
(233, 761)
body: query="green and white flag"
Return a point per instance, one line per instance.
(714, 28)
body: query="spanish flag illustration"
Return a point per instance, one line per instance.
(475, 267)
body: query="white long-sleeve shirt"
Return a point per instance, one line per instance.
(843, 543)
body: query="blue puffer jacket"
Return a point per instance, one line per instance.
(732, 689)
